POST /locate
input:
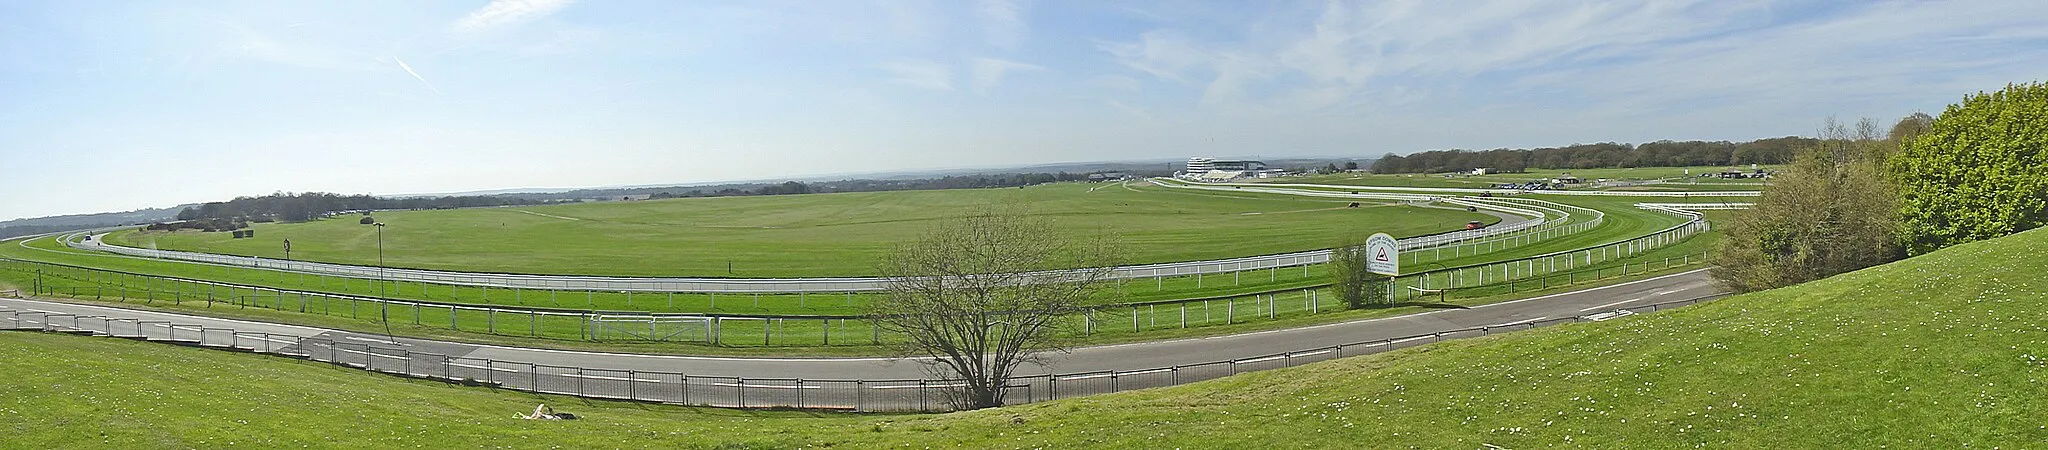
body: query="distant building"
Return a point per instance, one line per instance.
(1738, 173)
(1211, 169)
(1482, 171)
(1240, 166)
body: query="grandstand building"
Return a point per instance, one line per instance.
(1210, 169)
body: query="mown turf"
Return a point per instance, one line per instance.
(808, 235)
(1291, 307)
(1943, 351)
(797, 337)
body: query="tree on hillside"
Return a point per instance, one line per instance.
(1349, 278)
(1830, 213)
(1910, 127)
(981, 295)
(1979, 171)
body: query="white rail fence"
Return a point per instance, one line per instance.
(725, 391)
(1553, 219)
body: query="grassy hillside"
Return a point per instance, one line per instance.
(1945, 350)
(808, 235)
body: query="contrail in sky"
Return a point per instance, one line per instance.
(416, 75)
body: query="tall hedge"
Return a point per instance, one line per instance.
(1980, 170)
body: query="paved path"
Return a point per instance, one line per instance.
(1138, 356)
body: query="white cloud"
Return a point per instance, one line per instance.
(1342, 54)
(415, 75)
(1003, 22)
(1133, 111)
(504, 13)
(988, 72)
(919, 74)
(1115, 83)
(289, 49)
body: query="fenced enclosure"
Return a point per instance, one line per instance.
(726, 391)
(1565, 268)
(1550, 220)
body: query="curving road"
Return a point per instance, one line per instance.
(1123, 357)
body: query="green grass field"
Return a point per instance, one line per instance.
(806, 336)
(798, 335)
(1945, 350)
(1289, 305)
(807, 235)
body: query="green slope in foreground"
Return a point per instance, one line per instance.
(1946, 350)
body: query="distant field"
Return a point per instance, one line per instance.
(1459, 180)
(808, 235)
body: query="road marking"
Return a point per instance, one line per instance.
(771, 386)
(1613, 304)
(1260, 360)
(914, 386)
(1601, 317)
(379, 341)
(473, 366)
(599, 377)
(265, 339)
(339, 349)
(1519, 322)
(1417, 338)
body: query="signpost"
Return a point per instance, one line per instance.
(1383, 255)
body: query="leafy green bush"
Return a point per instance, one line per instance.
(1980, 171)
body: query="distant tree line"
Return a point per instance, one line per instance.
(51, 224)
(949, 182)
(302, 207)
(1601, 155)
(25, 230)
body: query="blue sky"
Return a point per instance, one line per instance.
(120, 105)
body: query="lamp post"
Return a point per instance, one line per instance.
(383, 304)
(380, 259)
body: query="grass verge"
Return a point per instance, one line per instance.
(1944, 350)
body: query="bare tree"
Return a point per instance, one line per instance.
(980, 295)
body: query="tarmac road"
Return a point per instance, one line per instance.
(1135, 356)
